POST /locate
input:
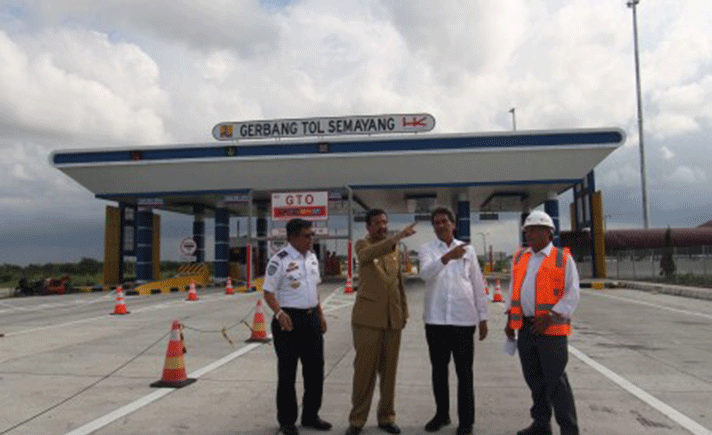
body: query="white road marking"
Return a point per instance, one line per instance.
(670, 412)
(150, 398)
(649, 304)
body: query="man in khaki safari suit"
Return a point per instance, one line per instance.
(379, 314)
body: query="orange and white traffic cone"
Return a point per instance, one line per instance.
(120, 307)
(487, 292)
(259, 330)
(497, 293)
(348, 287)
(229, 290)
(174, 375)
(192, 294)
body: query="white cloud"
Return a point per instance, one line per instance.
(667, 154)
(80, 73)
(78, 83)
(687, 175)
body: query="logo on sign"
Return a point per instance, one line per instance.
(304, 205)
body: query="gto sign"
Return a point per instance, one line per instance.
(311, 206)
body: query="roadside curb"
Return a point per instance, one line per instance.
(675, 290)
(650, 287)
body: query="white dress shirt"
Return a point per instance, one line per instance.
(568, 302)
(293, 278)
(454, 292)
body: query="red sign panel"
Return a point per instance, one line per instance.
(312, 206)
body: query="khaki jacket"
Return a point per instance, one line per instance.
(380, 299)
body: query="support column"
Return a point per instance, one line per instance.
(261, 244)
(199, 233)
(522, 218)
(222, 240)
(463, 221)
(551, 207)
(144, 246)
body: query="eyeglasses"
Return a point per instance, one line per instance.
(308, 235)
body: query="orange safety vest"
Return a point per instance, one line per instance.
(550, 284)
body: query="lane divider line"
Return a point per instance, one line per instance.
(150, 398)
(687, 423)
(649, 304)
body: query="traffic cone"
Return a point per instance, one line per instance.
(228, 287)
(497, 293)
(192, 294)
(120, 307)
(348, 288)
(486, 286)
(259, 331)
(174, 375)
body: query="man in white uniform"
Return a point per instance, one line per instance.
(455, 304)
(290, 290)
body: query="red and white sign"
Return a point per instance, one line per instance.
(311, 206)
(188, 246)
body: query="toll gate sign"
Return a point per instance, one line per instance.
(311, 206)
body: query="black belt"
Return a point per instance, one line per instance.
(529, 319)
(299, 311)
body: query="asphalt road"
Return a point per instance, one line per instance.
(639, 363)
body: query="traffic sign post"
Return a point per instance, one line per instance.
(188, 246)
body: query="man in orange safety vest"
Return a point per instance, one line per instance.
(544, 292)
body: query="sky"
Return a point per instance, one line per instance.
(88, 74)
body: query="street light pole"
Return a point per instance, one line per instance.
(643, 184)
(484, 243)
(514, 120)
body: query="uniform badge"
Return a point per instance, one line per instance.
(271, 269)
(295, 284)
(292, 266)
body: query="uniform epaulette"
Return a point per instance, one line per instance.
(282, 254)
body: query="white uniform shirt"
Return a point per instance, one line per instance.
(568, 302)
(293, 278)
(454, 292)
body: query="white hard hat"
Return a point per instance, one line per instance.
(539, 218)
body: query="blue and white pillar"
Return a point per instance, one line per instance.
(144, 246)
(222, 241)
(199, 233)
(463, 221)
(551, 207)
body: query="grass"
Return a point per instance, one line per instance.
(687, 279)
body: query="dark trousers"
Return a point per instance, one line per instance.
(306, 343)
(458, 341)
(544, 359)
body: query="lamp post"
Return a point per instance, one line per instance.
(484, 243)
(643, 184)
(514, 119)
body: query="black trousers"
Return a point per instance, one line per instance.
(458, 341)
(306, 343)
(544, 359)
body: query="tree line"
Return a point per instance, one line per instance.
(85, 267)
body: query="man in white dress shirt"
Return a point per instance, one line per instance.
(455, 304)
(543, 294)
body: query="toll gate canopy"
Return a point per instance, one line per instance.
(496, 171)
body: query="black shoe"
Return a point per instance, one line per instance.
(317, 423)
(535, 429)
(436, 423)
(353, 430)
(289, 429)
(390, 428)
(464, 430)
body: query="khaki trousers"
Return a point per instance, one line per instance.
(377, 353)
